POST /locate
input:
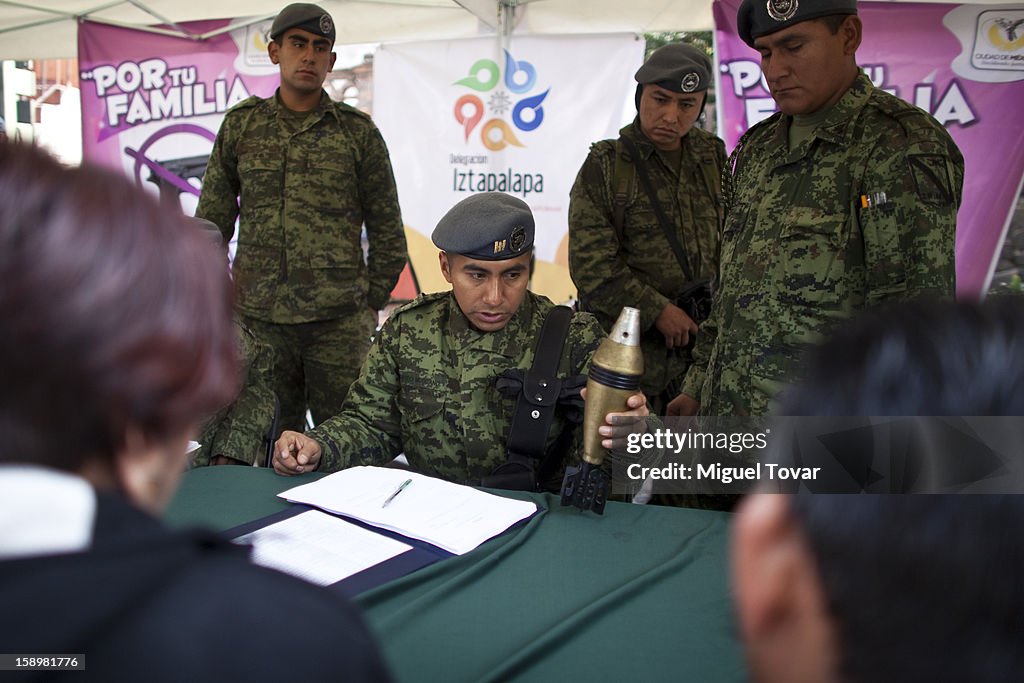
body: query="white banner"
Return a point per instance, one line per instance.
(474, 115)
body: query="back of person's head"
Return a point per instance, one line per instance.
(116, 315)
(903, 586)
(918, 358)
(920, 587)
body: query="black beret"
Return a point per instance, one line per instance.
(758, 18)
(678, 67)
(305, 16)
(490, 226)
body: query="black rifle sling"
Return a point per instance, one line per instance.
(666, 226)
(535, 408)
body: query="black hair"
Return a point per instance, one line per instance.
(920, 587)
(919, 358)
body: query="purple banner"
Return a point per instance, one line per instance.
(152, 104)
(963, 64)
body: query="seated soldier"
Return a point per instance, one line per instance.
(429, 385)
(117, 341)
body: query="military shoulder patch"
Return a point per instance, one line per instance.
(931, 178)
(343, 108)
(421, 300)
(247, 103)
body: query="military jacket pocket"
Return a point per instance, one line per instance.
(812, 254)
(262, 181)
(419, 403)
(332, 186)
(255, 270)
(337, 284)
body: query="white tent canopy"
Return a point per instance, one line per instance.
(48, 29)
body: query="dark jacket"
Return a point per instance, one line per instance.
(145, 603)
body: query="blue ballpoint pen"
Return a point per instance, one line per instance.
(400, 488)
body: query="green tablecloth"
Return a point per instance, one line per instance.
(638, 594)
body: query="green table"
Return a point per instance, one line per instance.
(640, 594)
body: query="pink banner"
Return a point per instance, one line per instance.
(152, 104)
(963, 64)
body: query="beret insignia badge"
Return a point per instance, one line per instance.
(782, 10)
(326, 25)
(690, 82)
(518, 238)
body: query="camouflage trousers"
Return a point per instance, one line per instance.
(314, 363)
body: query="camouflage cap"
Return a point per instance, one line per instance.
(678, 67)
(490, 226)
(305, 16)
(758, 18)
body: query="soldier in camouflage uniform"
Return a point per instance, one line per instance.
(235, 435)
(845, 199)
(619, 253)
(304, 174)
(428, 386)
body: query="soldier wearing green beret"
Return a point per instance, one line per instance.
(844, 199)
(303, 175)
(429, 386)
(621, 252)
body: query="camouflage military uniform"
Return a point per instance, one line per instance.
(303, 187)
(427, 389)
(638, 267)
(861, 212)
(238, 430)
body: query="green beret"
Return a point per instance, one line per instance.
(305, 16)
(758, 18)
(490, 226)
(678, 67)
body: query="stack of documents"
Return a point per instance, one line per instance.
(320, 548)
(453, 517)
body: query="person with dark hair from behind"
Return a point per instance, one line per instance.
(117, 341)
(925, 358)
(876, 588)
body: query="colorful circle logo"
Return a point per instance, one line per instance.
(526, 115)
(1007, 34)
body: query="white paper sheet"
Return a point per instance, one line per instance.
(453, 517)
(319, 548)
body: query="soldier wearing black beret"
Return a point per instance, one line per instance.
(490, 226)
(302, 175)
(630, 246)
(677, 67)
(438, 381)
(756, 19)
(844, 199)
(305, 16)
